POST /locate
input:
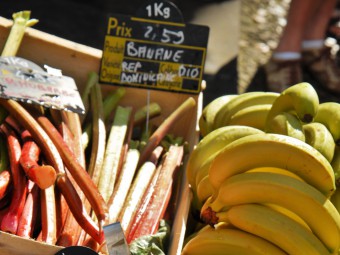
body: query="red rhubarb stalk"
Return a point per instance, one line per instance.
(74, 126)
(5, 180)
(3, 212)
(11, 220)
(165, 127)
(51, 144)
(78, 209)
(140, 210)
(62, 210)
(48, 216)
(71, 229)
(44, 176)
(155, 158)
(54, 159)
(157, 205)
(77, 171)
(134, 198)
(29, 215)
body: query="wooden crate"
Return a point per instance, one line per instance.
(77, 60)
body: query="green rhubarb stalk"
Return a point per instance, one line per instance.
(165, 127)
(92, 80)
(4, 160)
(98, 134)
(147, 112)
(145, 135)
(124, 181)
(113, 151)
(109, 105)
(111, 101)
(21, 20)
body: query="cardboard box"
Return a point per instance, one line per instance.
(76, 60)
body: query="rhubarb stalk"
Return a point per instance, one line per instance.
(149, 111)
(5, 181)
(30, 213)
(154, 212)
(113, 151)
(135, 195)
(53, 156)
(164, 128)
(11, 220)
(21, 20)
(124, 182)
(98, 135)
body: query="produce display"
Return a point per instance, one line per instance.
(265, 175)
(65, 176)
(263, 178)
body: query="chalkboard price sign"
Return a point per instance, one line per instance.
(154, 50)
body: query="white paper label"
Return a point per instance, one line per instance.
(24, 81)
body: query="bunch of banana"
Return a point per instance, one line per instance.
(301, 99)
(278, 189)
(273, 150)
(275, 181)
(263, 184)
(225, 239)
(249, 109)
(207, 117)
(318, 136)
(202, 156)
(329, 115)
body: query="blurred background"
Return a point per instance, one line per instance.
(242, 33)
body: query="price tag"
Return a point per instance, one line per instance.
(154, 50)
(23, 80)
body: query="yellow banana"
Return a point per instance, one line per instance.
(204, 170)
(288, 213)
(229, 241)
(286, 123)
(335, 199)
(253, 116)
(241, 101)
(223, 216)
(205, 151)
(276, 170)
(318, 136)
(336, 166)
(273, 150)
(277, 228)
(283, 190)
(211, 144)
(207, 117)
(300, 98)
(204, 189)
(329, 115)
